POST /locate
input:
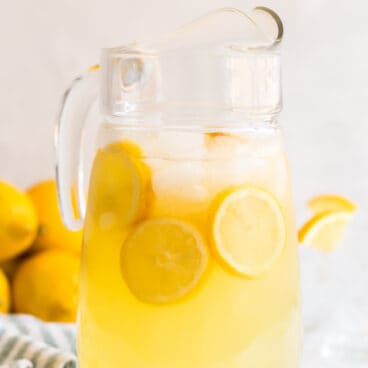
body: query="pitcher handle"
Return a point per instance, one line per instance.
(75, 105)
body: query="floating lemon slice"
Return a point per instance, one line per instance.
(329, 202)
(120, 185)
(162, 260)
(325, 231)
(248, 230)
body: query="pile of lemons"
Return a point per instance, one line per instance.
(39, 257)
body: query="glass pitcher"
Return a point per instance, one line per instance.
(189, 255)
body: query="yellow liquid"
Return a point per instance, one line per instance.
(227, 321)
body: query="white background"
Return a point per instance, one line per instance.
(44, 44)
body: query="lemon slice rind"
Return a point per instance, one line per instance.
(260, 236)
(120, 185)
(330, 202)
(316, 234)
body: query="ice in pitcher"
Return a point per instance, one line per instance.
(189, 252)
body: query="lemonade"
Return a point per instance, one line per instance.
(189, 256)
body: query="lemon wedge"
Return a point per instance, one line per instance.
(330, 202)
(120, 189)
(248, 230)
(325, 231)
(162, 260)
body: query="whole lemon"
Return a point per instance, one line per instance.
(46, 285)
(18, 221)
(4, 293)
(52, 233)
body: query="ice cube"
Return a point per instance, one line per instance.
(222, 145)
(181, 179)
(182, 145)
(269, 173)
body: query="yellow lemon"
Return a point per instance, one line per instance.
(120, 186)
(4, 293)
(248, 230)
(52, 233)
(330, 202)
(162, 260)
(46, 285)
(325, 231)
(18, 222)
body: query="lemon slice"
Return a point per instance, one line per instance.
(248, 230)
(330, 202)
(120, 185)
(325, 231)
(162, 260)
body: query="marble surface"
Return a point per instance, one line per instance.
(44, 44)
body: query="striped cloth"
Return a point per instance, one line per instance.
(26, 342)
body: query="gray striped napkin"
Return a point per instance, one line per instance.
(26, 342)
